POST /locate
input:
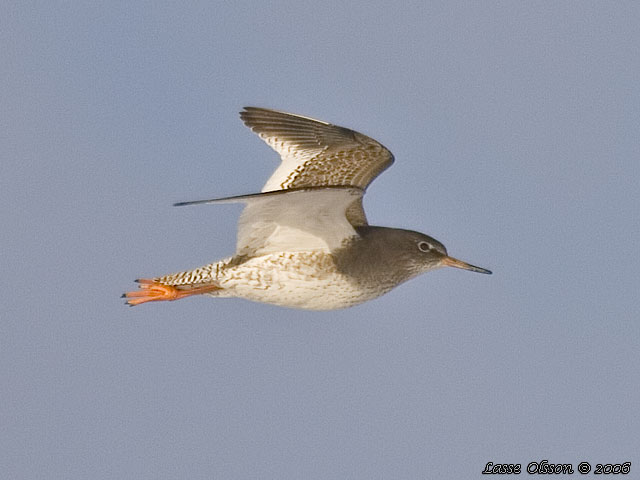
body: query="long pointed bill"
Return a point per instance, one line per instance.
(454, 262)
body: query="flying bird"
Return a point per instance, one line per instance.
(304, 241)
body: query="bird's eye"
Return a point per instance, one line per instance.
(424, 246)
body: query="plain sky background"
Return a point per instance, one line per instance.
(516, 131)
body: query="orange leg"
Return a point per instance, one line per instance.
(151, 291)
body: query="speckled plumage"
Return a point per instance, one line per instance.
(304, 242)
(364, 268)
(308, 280)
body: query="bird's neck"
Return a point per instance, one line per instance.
(371, 259)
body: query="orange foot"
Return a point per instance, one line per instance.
(151, 291)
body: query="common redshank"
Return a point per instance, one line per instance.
(305, 242)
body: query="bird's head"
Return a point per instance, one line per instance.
(414, 252)
(429, 254)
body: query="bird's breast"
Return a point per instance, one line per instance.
(309, 280)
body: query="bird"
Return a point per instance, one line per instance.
(304, 241)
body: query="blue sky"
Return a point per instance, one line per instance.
(517, 142)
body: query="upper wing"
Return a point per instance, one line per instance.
(316, 153)
(293, 220)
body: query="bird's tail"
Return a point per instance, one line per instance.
(177, 285)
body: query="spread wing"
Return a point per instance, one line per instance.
(318, 154)
(293, 220)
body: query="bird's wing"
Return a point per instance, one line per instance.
(293, 220)
(318, 154)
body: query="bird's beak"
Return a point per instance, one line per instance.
(454, 262)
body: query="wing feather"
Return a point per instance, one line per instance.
(317, 154)
(292, 220)
(313, 201)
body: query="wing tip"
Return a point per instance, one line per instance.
(250, 111)
(252, 115)
(248, 115)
